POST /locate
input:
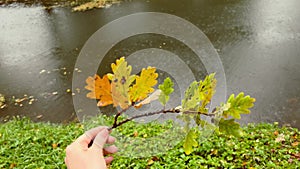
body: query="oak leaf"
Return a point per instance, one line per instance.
(199, 94)
(280, 138)
(190, 142)
(153, 96)
(191, 98)
(207, 90)
(120, 82)
(144, 84)
(230, 127)
(100, 88)
(166, 89)
(239, 105)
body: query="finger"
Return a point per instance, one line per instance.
(100, 140)
(94, 131)
(66, 161)
(110, 150)
(89, 135)
(108, 160)
(111, 140)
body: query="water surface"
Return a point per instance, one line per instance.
(258, 43)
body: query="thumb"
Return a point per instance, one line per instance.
(100, 139)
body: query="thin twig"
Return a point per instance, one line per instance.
(117, 116)
(137, 116)
(115, 125)
(196, 112)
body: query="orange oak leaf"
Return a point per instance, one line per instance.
(100, 88)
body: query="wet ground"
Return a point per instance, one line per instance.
(258, 43)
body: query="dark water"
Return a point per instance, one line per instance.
(258, 43)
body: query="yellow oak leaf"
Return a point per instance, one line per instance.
(120, 82)
(207, 90)
(100, 89)
(144, 84)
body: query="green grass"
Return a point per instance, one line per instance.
(25, 144)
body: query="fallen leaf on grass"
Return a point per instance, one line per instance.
(150, 162)
(54, 145)
(296, 155)
(294, 144)
(280, 138)
(12, 165)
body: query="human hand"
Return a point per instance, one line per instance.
(80, 156)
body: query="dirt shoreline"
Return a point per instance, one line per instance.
(77, 5)
(32, 2)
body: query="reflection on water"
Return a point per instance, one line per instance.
(258, 42)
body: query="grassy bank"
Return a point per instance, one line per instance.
(25, 144)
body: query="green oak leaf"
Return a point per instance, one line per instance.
(190, 142)
(230, 127)
(199, 94)
(191, 100)
(166, 89)
(238, 105)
